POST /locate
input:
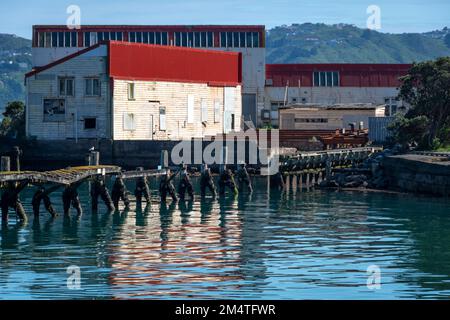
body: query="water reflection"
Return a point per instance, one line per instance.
(286, 245)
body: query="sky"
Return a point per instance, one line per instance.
(397, 16)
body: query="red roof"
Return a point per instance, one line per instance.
(135, 61)
(350, 75)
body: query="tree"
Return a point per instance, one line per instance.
(13, 123)
(426, 89)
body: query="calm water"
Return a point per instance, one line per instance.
(315, 245)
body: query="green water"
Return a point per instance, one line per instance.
(308, 245)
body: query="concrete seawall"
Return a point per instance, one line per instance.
(418, 173)
(49, 155)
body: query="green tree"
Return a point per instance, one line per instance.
(13, 123)
(447, 39)
(426, 89)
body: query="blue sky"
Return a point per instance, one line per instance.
(397, 16)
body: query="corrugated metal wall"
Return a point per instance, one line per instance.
(378, 131)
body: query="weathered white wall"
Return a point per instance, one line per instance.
(330, 95)
(336, 119)
(150, 96)
(45, 85)
(44, 56)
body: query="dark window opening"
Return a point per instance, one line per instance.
(90, 123)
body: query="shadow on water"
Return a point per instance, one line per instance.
(286, 245)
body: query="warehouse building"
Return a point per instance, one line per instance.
(328, 117)
(131, 91)
(51, 43)
(328, 84)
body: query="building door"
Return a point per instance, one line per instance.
(249, 108)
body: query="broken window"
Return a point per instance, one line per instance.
(90, 123)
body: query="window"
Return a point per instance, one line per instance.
(197, 39)
(223, 39)
(190, 39)
(131, 91)
(164, 38)
(158, 37)
(66, 39)
(54, 39)
(255, 40)
(87, 39)
(184, 39)
(216, 111)
(54, 110)
(204, 106)
(129, 123)
(74, 39)
(151, 38)
(41, 39)
(119, 36)
(242, 39)
(236, 39)
(178, 39)
(391, 106)
(132, 37)
(326, 78)
(203, 39)
(162, 118)
(190, 109)
(145, 37)
(210, 39)
(311, 120)
(139, 37)
(106, 36)
(90, 123)
(66, 87)
(92, 87)
(48, 39)
(229, 39)
(60, 39)
(249, 39)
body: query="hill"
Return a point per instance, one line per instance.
(15, 60)
(297, 43)
(343, 43)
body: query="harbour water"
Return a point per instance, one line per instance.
(307, 245)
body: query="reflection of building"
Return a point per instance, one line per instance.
(328, 117)
(51, 43)
(126, 91)
(331, 84)
(179, 254)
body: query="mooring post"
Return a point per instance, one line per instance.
(328, 169)
(164, 159)
(294, 183)
(300, 182)
(307, 181)
(17, 153)
(95, 158)
(88, 159)
(5, 164)
(288, 182)
(224, 157)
